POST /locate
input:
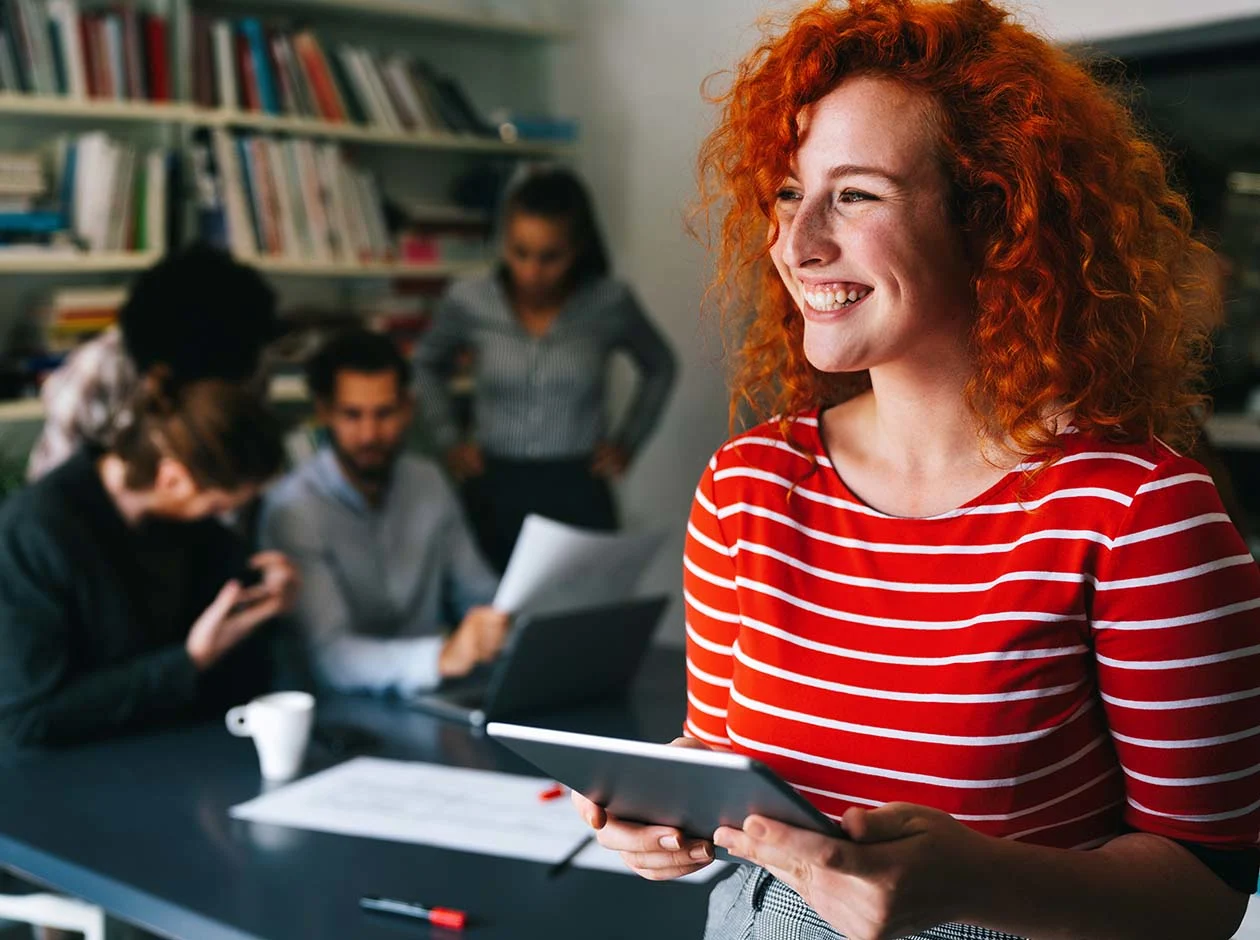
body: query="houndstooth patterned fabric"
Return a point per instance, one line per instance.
(754, 905)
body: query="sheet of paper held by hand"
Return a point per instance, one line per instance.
(557, 568)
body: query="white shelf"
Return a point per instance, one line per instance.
(1234, 431)
(94, 109)
(290, 266)
(284, 389)
(21, 409)
(415, 11)
(33, 262)
(309, 127)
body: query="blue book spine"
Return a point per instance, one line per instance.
(253, 31)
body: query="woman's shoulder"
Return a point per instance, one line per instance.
(51, 516)
(1128, 468)
(782, 444)
(475, 292)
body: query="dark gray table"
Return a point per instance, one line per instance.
(139, 825)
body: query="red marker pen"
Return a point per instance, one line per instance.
(439, 916)
(553, 792)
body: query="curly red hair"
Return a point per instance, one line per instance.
(1088, 285)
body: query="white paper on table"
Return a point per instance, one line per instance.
(450, 807)
(598, 858)
(556, 567)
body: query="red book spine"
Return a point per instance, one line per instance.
(317, 73)
(87, 29)
(159, 68)
(249, 79)
(102, 58)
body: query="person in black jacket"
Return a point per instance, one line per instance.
(123, 601)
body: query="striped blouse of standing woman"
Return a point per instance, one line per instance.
(541, 330)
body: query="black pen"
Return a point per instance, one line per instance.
(440, 916)
(565, 862)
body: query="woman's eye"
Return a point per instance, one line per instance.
(788, 195)
(854, 195)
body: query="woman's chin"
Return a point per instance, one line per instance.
(826, 357)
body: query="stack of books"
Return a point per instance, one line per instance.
(240, 65)
(294, 199)
(24, 213)
(49, 47)
(74, 315)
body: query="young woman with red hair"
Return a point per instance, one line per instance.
(964, 592)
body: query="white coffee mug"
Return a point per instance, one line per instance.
(280, 725)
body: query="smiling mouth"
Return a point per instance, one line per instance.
(832, 297)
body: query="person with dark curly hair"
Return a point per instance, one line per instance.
(197, 313)
(962, 589)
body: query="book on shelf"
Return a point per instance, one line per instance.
(243, 65)
(53, 47)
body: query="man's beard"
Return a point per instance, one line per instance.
(374, 473)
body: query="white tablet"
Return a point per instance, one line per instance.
(693, 790)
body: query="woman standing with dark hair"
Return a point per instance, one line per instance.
(121, 599)
(541, 329)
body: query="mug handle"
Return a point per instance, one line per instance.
(238, 721)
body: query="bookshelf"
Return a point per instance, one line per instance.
(498, 59)
(284, 390)
(366, 134)
(367, 269)
(85, 262)
(415, 13)
(492, 47)
(91, 109)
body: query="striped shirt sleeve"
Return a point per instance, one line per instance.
(712, 618)
(1176, 629)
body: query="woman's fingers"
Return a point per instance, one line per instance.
(664, 840)
(592, 813)
(662, 874)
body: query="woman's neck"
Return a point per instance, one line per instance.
(911, 446)
(133, 506)
(919, 423)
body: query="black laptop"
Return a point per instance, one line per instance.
(554, 661)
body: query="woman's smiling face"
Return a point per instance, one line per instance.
(867, 246)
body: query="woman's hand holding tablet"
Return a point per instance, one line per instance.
(658, 853)
(659, 805)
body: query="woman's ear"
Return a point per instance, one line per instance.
(173, 482)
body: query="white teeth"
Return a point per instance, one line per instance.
(830, 299)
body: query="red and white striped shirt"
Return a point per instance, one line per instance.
(1044, 664)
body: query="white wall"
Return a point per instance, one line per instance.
(632, 77)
